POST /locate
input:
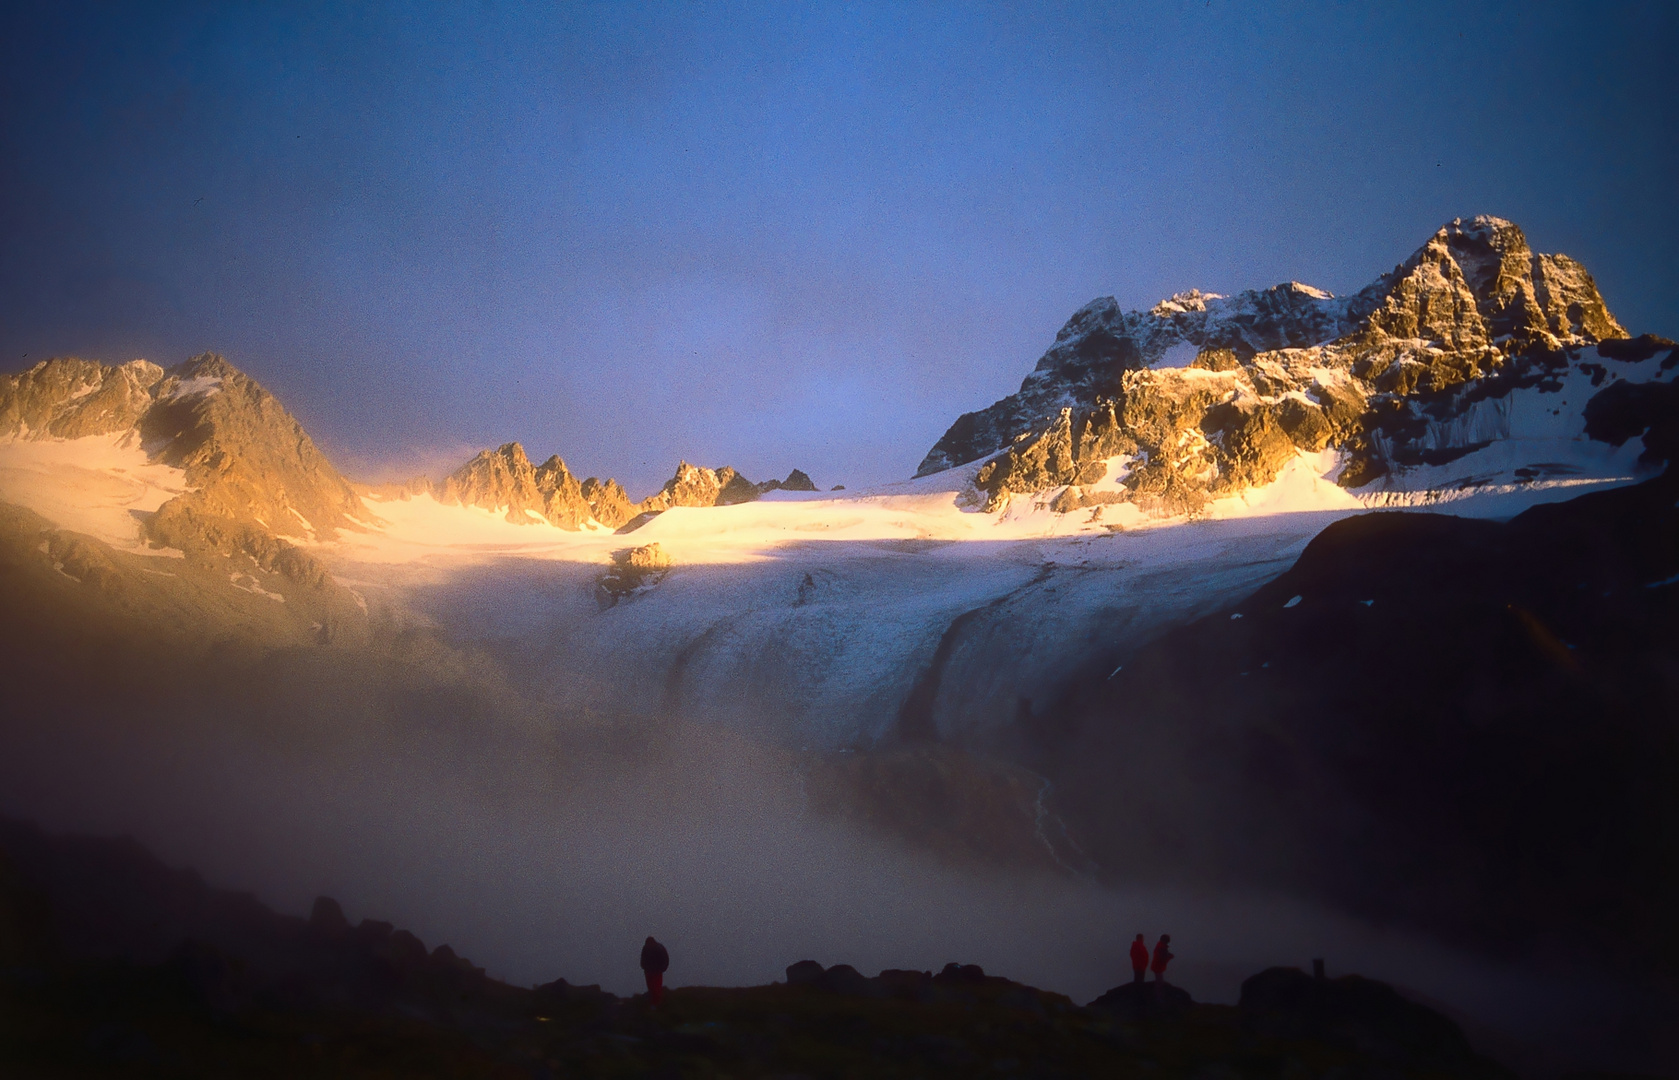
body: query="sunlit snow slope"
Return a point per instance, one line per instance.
(842, 619)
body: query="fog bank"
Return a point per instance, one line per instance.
(544, 848)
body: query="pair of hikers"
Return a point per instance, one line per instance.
(1140, 962)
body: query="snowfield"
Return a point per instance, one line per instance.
(834, 619)
(101, 485)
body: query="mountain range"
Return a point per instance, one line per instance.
(1364, 599)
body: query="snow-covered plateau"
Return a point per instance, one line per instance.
(815, 621)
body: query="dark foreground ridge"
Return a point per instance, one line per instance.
(112, 964)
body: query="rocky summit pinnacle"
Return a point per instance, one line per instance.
(1278, 370)
(504, 479)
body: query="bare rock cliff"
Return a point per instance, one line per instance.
(1472, 312)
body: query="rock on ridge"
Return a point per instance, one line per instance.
(796, 480)
(1288, 368)
(632, 568)
(695, 485)
(504, 479)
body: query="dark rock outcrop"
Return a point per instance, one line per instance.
(632, 569)
(804, 972)
(796, 480)
(1145, 1001)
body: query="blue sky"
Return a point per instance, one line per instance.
(770, 236)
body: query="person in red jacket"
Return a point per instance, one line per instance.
(1162, 957)
(655, 961)
(1139, 960)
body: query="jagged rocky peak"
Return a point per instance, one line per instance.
(503, 479)
(249, 458)
(70, 398)
(608, 502)
(695, 485)
(1100, 343)
(1472, 313)
(255, 477)
(1475, 285)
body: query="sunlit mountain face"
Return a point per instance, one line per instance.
(1295, 624)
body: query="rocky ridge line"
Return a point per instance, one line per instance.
(504, 480)
(1279, 370)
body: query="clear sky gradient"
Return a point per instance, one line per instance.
(770, 236)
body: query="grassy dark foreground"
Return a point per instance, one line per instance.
(202, 1013)
(113, 964)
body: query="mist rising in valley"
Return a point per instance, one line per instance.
(415, 782)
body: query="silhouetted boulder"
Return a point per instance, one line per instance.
(327, 918)
(797, 481)
(848, 981)
(960, 973)
(805, 971)
(900, 983)
(561, 990)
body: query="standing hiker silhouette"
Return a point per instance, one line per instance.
(1139, 961)
(655, 960)
(1162, 957)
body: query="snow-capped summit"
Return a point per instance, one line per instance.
(1474, 284)
(1416, 369)
(1100, 343)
